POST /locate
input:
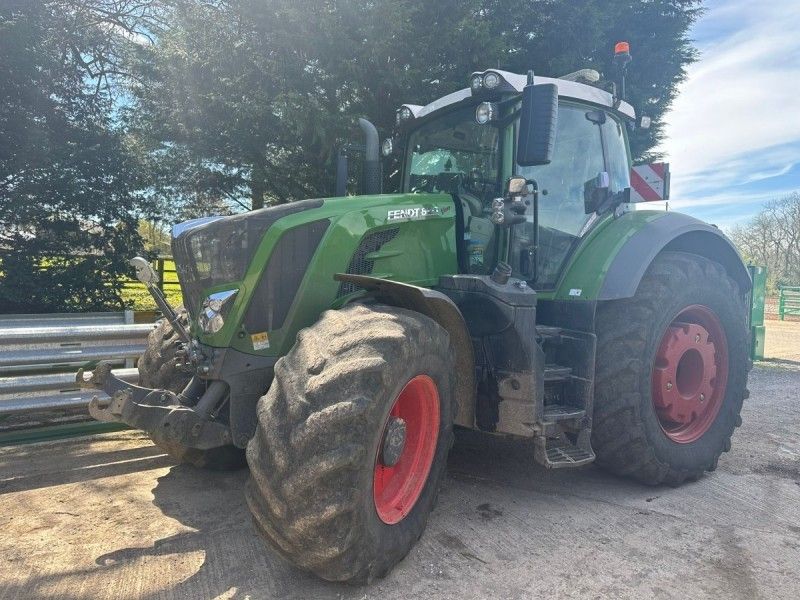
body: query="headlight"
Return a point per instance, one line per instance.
(476, 83)
(485, 112)
(491, 80)
(214, 310)
(404, 114)
(387, 147)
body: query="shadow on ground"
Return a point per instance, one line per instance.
(238, 563)
(110, 518)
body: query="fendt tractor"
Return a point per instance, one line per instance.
(512, 285)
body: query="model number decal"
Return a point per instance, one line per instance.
(418, 212)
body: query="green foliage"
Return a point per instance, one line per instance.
(114, 111)
(251, 97)
(67, 179)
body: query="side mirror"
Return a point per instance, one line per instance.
(596, 192)
(537, 124)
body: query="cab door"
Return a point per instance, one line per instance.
(588, 141)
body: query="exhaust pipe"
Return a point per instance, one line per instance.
(372, 163)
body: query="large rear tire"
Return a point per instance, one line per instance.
(159, 369)
(671, 372)
(321, 488)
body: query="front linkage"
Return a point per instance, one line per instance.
(166, 416)
(169, 418)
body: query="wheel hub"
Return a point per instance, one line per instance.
(690, 374)
(406, 450)
(394, 440)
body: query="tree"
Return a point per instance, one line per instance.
(255, 95)
(772, 239)
(67, 180)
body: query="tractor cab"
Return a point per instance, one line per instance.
(467, 144)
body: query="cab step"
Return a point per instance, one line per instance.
(553, 373)
(560, 454)
(561, 412)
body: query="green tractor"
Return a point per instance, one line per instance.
(510, 286)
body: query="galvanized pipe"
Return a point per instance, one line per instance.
(83, 333)
(65, 319)
(15, 402)
(68, 355)
(23, 384)
(31, 344)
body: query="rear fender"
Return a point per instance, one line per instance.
(441, 309)
(612, 259)
(674, 232)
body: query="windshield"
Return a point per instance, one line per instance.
(454, 154)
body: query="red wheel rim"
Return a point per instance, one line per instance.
(397, 488)
(690, 374)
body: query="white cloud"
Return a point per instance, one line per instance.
(737, 118)
(729, 198)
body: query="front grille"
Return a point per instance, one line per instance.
(215, 251)
(281, 278)
(360, 264)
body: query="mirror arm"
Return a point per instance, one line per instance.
(146, 274)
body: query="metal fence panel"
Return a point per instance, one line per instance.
(789, 302)
(33, 347)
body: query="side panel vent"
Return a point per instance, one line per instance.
(285, 270)
(360, 264)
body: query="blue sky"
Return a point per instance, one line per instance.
(734, 130)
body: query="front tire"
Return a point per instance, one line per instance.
(671, 372)
(321, 489)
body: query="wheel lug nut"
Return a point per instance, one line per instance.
(669, 385)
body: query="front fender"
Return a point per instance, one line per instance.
(441, 309)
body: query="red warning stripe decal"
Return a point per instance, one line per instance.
(650, 182)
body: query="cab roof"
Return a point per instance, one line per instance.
(566, 89)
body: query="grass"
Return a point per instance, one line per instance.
(136, 296)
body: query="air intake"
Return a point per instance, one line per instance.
(360, 264)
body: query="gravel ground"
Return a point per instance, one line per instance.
(782, 340)
(110, 517)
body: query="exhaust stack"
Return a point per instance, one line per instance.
(372, 163)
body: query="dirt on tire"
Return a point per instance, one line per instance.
(314, 453)
(626, 434)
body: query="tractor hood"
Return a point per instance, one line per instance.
(267, 273)
(217, 250)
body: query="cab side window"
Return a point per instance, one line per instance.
(618, 166)
(577, 160)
